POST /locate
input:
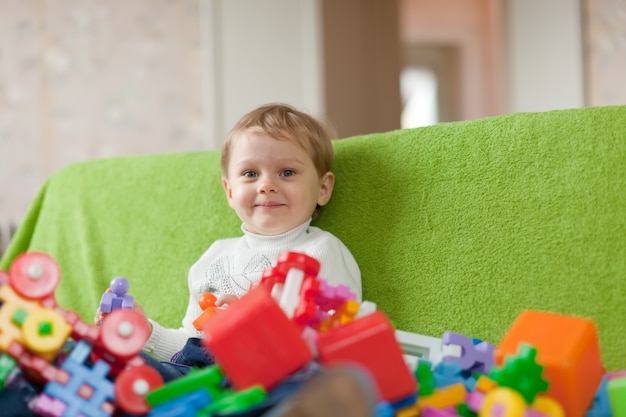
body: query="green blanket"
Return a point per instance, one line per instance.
(458, 226)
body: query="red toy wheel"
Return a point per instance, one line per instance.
(34, 275)
(123, 333)
(131, 387)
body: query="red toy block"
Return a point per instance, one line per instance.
(569, 350)
(370, 342)
(254, 342)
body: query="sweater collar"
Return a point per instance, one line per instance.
(256, 240)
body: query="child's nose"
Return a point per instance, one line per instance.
(267, 185)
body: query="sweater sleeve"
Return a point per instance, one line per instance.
(164, 343)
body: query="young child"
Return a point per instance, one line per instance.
(276, 175)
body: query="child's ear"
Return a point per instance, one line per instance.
(227, 190)
(327, 182)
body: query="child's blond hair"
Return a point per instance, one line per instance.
(283, 122)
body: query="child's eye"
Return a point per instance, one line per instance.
(249, 174)
(288, 173)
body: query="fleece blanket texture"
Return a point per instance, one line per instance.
(458, 226)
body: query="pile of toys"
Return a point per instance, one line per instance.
(546, 365)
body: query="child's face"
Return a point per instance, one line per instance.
(272, 184)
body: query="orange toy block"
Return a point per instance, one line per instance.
(569, 350)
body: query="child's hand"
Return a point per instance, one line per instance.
(225, 300)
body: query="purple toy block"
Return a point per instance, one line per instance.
(117, 298)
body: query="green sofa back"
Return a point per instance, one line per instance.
(458, 226)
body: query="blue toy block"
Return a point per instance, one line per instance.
(87, 390)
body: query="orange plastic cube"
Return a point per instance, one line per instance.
(569, 350)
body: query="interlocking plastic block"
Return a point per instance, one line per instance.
(474, 357)
(207, 305)
(117, 298)
(132, 385)
(254, 342)
(209, 378)
(569, 350)
(617, 395)
(370, 342)
(88, 392)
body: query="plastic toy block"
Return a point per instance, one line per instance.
(601, 405)
(209, 378)
(44, 405)
(117, 298)
(425, 378)
(569, 350)
(447, 373)
(44, 332)
(503, 402)
(87, 392)
(616, 374)
(188, 405)
(438, 412)
(544, 406)
(254, 342)
(34, 367)
(295, 267)
(236, 402)
(474, 357)
(122, 336)
(370, 341)
(7, 364)
(132, 385)
(207, 305)
(384, 409)
(34, 275)
(521, 373)
(10, 304)
(418, 347)
(451, 395)
(617, 394)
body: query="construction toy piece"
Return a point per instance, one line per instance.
(601, 405)
(117, 298)
(236, 402)
(187, 405)
(425, 378)
(255, 343)
(7, 364)
(370, 342)
(122, 336)
(88, 392)
(132, 385)
(474, 357)
(44, 332)
(617, 395)
(503, 401)
(210, 378)
(521, 373)
(13, 312)
(207, 304)
(295, 267)
(449, 396)
(34, 275)
(569, 350)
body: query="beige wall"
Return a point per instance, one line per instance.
(604, 32)
(82, 80)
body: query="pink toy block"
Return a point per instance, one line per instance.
(371, 343)
(254, 342)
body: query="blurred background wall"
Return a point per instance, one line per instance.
(84, 79)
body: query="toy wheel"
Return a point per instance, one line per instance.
(34, 275)
(123, 333)
(131, 387)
